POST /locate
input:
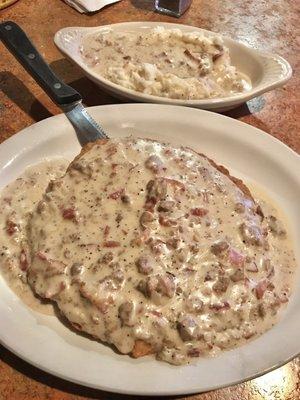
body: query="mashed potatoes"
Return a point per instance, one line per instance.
(165, 63)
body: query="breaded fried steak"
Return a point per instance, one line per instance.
(157, 249)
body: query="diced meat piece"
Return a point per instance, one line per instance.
(173, 243)
(23, 260)
(167, 221)
(252, 267)
(154, 163)
(111, 150)
(261, 288)
(116, 195)
(111, 243)
(194, 304)
(237, 259)
(145, 265)
(251, 234)
(221, 285)
(69, 213)
(11, 227)
(166, 285)
(219, 247)
(146, 218)
(238, 275)
(199, 211)
(165, 206)
(188, 329)
(76, 269)
(220, 306)
(194, 352)
(107, 257)
(157, 246)
(127, 313)
(162, 284)
(157, 189)
(276, 226)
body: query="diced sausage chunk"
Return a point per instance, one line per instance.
(261, 288)
(154, 163)
(11, 227)
(76, 269)
(107, 257)
(111, 243)
(69, 213)
(251, 234)
(159, 284)
(165, 206)
(146, 218)
(219, 247)
(188, 329)
(221, 285)
(252, 267)
(199, 212)
(116, 195)
(157, 189)
(127, 313)
(145, 265)
(237, 259)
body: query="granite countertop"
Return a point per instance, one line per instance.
(271, 25)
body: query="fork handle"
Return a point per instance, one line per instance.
(17, 42)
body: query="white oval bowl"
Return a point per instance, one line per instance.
(266, 71)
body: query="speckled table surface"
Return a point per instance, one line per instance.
(268, 24)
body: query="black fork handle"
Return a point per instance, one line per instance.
(17, 42)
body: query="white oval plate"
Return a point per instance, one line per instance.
(266, 71)
(251, 154)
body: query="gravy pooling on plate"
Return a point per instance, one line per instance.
(156, 249)
(17, 201)
(165, 62)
